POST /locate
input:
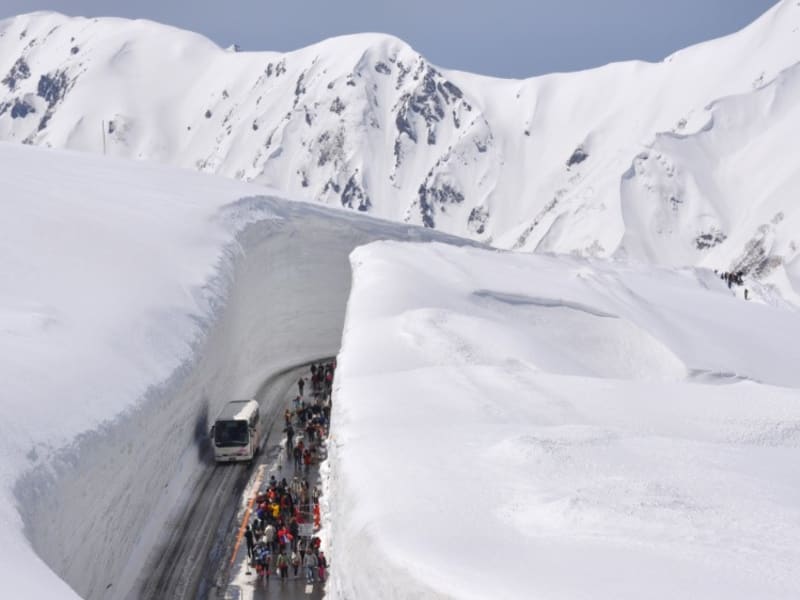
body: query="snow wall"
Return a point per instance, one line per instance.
(96, 513)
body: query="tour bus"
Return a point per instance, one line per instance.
(236, 433)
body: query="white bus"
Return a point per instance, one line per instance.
(236, 434)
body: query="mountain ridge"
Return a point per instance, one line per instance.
(365, 122)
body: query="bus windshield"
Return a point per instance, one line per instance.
(231, 433)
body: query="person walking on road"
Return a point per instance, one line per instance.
(262, 560)
(269, 536)
(322, 566)
(289, 435)
(295, 560)
(283, 565)
(311, 564)
(298, 457)
(300, 385)
(248, 537)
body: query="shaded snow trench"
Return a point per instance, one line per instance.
(97, 511)
(522, 300)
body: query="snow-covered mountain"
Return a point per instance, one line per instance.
(686, 161)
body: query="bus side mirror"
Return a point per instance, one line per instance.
(211, 433)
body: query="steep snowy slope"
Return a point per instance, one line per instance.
(736, 181)
(367, 123)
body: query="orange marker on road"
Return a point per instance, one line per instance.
(246, 519)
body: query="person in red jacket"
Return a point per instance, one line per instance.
(322, 564)
(282, 533)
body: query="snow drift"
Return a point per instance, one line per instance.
(513, 426)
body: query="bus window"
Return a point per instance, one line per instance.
(231, 433)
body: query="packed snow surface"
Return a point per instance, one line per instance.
(509, 426)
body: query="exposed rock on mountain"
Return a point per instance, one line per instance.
(593, 163)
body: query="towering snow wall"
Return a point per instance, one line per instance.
(135, 301)
(512, 426)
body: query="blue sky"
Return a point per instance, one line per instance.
(505, 38)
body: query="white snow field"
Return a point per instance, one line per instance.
(366, 122)
(511, 426)
(505, 426)
(135, 300)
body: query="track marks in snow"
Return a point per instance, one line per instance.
(523, 300)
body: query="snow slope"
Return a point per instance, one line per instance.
(510, 426)
(367, 123)
(135, 300)
(724, 193)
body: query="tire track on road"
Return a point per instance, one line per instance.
(189, 564)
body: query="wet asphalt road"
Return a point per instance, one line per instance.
(197, 561)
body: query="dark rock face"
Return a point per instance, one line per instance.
(299, 88)
(330, 148)
(331, 185)
(354, 195)
(53, 87)
(427, 102)
(577, 157)
(548, 208)
(402, 123)
(403, 73)
(383, 68)
(454, 90)
(436, 195)
(478, 217)
(708, 240)
(19, 71)
(757, 259)
(337, 106)
(21, 109)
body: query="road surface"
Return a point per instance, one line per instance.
(195, 561)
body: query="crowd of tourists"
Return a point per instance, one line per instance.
(736, 278)
(278, 537)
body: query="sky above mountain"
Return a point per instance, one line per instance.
(504, 38)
